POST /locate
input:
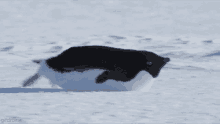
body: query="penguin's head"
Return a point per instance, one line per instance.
(154, 63)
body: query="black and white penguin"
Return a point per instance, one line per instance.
(121, 65)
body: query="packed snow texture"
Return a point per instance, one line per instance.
(186, 91)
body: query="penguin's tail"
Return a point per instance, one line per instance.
(37, 61)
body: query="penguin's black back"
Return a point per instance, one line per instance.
(100, 57)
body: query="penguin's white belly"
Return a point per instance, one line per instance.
(85, 81)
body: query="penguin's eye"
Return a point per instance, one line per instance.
(149, 63)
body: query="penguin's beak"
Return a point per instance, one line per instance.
(166, 59)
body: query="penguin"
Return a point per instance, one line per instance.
(117, 64)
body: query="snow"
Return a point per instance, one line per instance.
(186, 91)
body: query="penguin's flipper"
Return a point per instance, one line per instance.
(102, 77)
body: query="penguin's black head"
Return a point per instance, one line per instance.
(154, 63)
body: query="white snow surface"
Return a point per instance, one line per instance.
(186, 91)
